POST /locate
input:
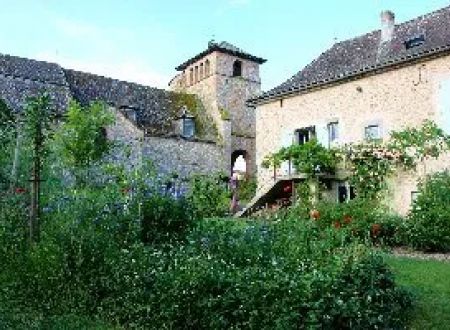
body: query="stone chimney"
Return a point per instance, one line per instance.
(387, 26)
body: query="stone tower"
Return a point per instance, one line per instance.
(224, 77)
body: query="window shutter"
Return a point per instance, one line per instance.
(287, 138)
(322, 134)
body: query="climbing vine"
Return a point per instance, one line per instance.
(309, 158)
(373, 161)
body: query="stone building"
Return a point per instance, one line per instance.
(224, 77)
(172, 129)
(363, 87)
(201, 126)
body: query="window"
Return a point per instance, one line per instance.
(237, 68)
(188, 127)
(415, 41)
(306, 134)
(345, 193)
(191, 76)
(281, 103)
(414, 195)
(201, 71)
(372, 132)
(333, 132)
(196, 74)
(207, 73)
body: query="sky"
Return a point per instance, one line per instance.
(144, 40)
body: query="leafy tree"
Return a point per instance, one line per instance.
(7, 133)
(81, 140)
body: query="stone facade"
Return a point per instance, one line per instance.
(148, 119)
(224, 93)
(393, 100)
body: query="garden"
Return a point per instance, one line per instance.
(88, 242)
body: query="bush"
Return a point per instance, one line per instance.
(364, 220)
(289, 275)
(428, 227)
(165, 219)
(208, 196)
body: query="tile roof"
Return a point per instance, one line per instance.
(156, 109)
(152, 105)
(353, 57)
(223, 47)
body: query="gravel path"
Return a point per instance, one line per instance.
(408, 253)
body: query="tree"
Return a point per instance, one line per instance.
(7, 134)
(37, 119)
(81, 140)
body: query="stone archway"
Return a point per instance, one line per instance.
(239, 161)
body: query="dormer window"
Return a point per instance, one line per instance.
(237, 68)
(415, 41)
(129, 112)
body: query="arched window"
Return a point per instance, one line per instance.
(207, 73)
(239, 161)
(237, 68)
(196, 74)
(201, 71)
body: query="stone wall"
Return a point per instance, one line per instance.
(169, 155)
(224, 97)
(394, 100)
(183, 157)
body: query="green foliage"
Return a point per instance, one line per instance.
(417, 144)
(429, 224)
(7, 138)
(308, 158)
(224, 114)
(165, 219)
(373, 161)
(247, 189)
(208, 196)
(282, 276)
(364, 220)
(81, 139)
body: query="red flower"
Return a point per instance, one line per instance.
(20, 190)
(315, 214)
(337, 224)
(375, 229)
(347, 219)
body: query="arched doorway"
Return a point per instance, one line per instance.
(239, 161)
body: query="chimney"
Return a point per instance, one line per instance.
(387, 26)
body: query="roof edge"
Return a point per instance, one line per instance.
(216, 47)
(358, 74)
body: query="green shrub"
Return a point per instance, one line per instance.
(165, 219)
(289, 275)
(208, 196)
(247, 189)
(428, 227)
(364, 220)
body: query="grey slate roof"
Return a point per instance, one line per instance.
(20, 78)
(153, 106)
(223, 47)
(360, 55)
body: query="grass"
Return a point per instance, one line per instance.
(429, 280)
